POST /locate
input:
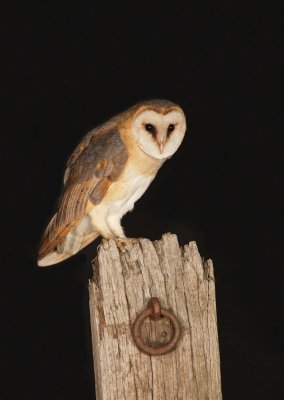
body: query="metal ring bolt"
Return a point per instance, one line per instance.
(155, 312)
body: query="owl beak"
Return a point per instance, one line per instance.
(161, 146)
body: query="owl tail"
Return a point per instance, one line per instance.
(58, 255)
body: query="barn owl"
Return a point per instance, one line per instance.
(107, 173)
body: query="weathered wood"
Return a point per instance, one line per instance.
(120, 289)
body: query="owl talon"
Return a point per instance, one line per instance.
(122, 242)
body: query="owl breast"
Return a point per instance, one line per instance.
(123, 196)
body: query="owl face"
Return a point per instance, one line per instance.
(159, 131)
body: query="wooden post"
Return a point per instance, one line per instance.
(120, 289)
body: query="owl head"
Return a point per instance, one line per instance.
(159, 127)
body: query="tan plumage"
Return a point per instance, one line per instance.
(108, 171)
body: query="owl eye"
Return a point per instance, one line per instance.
(150, 128)
(171, 128)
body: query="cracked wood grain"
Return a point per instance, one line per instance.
(121, 288)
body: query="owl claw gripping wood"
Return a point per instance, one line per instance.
(107, 173)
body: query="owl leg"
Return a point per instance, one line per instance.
(113, 222)
(98, 215)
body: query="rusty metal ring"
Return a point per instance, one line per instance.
(136, 330)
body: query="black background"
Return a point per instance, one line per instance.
(67, 68)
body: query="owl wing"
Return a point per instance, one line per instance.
(96, 162)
